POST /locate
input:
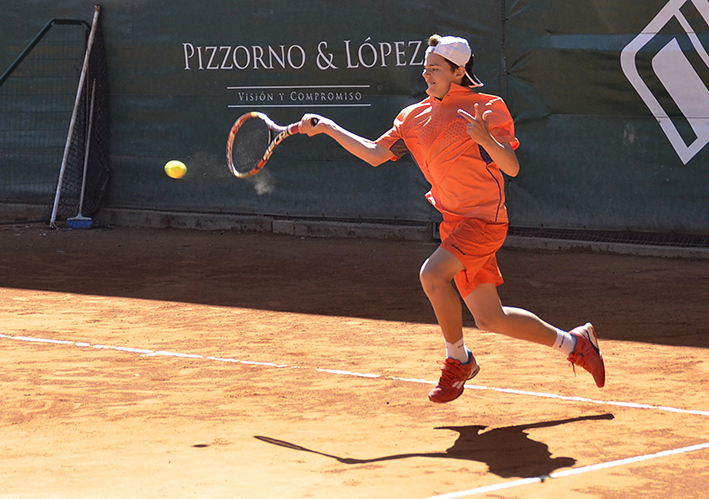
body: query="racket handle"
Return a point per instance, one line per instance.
(314, 121)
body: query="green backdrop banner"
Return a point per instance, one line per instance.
(609, 100)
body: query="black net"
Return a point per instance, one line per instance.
(36, 105)
(615, 236)
(90, 136)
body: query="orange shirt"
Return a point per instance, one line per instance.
(464, 180)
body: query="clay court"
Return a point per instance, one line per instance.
(172, 363)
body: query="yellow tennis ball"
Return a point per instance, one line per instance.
(175, 169)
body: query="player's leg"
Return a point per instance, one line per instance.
(459, 366)
(484, 303)
(436, 277)
(580, 344)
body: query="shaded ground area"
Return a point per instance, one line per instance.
(630, 298)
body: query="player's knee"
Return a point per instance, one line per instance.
(430, 279)
(490, 322)
(425, 279)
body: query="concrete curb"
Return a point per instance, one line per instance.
(256, 223)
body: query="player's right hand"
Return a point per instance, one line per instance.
(312, 124)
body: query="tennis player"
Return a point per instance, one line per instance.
(463, 141)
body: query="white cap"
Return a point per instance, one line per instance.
(456, 50)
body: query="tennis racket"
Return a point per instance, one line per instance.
(252, 140)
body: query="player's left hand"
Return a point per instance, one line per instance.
(478, 125)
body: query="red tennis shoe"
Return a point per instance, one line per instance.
(587, 354)
(454, 374)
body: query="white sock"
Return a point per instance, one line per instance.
(457, 351)
(565, 342)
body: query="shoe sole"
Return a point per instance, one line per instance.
(593, 338)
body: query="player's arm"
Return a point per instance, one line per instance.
(365, 149)
(501, 153)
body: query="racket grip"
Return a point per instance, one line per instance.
(314, 121)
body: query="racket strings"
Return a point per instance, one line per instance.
(250, 143)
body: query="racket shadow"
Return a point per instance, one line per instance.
(508, 452)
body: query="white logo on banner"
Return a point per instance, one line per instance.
(274, 58)
(677, 75)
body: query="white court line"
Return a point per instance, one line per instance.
(574, 471)
(347, 373)
(160, 353)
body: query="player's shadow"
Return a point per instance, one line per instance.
(508, 452)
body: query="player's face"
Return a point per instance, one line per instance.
(439, 75)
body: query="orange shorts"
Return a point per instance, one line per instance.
(474, 242)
